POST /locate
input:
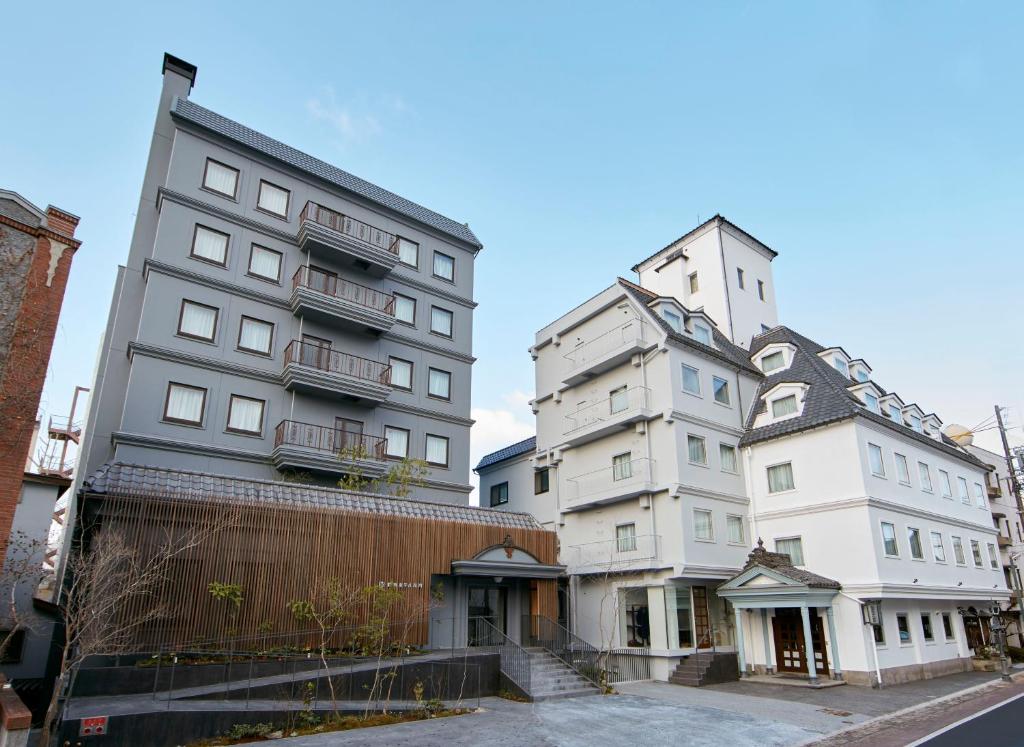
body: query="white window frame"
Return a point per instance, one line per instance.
(902, 475)
(696, 372)
(963, 490)
(776, 400)
(924, 474)
(895, 539)
(711, 525)
(625, 541)
(959, 553)
(800, 543)
(792, 478)
(946, 484)
(976, 556)
(722, 446)
(703, 447)
(911, 533)
(936, 548)
(733, 520)
(724, 388)
(872, 450)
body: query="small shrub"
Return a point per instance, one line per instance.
(1015, 653)
(247, 731)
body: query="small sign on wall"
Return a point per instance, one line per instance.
(94, 726)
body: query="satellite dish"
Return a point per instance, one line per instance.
(958, 433)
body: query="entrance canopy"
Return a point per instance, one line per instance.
(506, 561)
(769, 579)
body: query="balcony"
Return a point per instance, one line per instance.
(321, 370)
(1004, 541)
(329, 299)
(993, 491)
(608, 415)
(327, 233)
(62, 429)
(318, 448)
(606, 351)
(636, 553)
(618, 482)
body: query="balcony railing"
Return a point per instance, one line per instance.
(346, 290)
(622, 479)
(345, 444)
(350, 227)
(632, 332)
(612, 408)
(620, 553)
(61, 428)
(334, 361)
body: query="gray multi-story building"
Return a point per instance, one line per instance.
(279, 317)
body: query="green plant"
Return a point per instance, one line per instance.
(247, 731)
(227, 592)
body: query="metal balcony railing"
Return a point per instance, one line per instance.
(608, 482)
(330, 360)
(609, 408)
(348, 226)
(633, 331)
(330, 440)
(332, 285)
(620, 552)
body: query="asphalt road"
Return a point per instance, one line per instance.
(1002, 726)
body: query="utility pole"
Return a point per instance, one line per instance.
(1014, 483)
(1015, 579)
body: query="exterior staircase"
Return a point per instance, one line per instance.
(552, 679)
(706, 668)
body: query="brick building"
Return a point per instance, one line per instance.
(36, 250)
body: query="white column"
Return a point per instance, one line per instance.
(812, 668)
(769, 665)
(837, 669)
(739, 642)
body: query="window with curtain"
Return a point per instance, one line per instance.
(437, 450)
(938, 549)
(401, 373)
(734, 526)
(773, 361)
(727, 454)
(221, 178)
(793, 547)
(902, 470)
(408, 252)
(696, 449)
(398, 442)
(210, 245)
(185, 404)
(439, 384)
(197, 320)
(499, 494)
(976, 554)
(691, 379)
(444, 266)
(720, 387)
(273, 199)
(875, 460)
(618, 400)
(914, 540)
(979, 495)
(265, 263)
(961, 484)
(993, 559)
(784, 406)
(405, 309)
(694, 284)
(255, 335)
(780, 478)
(625, 537)
(958, 551)
(245, 414)
(441, 321)
(889, 539)
(702, 525)
(925, 475)
(622, 466)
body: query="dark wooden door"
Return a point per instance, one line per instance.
(790, 651)
(701, 617)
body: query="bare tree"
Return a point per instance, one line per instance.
(22, 573)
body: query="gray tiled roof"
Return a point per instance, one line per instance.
(134, 480)
(828, 400)
(781, 562)
(525, 446)
(208, 120)
(723, 350)
(692, 231)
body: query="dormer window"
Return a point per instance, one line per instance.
(871, 402)
(773, 361)
(841, 365)
(784, 406)
(674, 320)
(861, 375)
(916, 424)
(896, 414)
(701, 333)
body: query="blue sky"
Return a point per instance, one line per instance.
(876, 146)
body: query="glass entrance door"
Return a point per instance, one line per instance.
(486, 610)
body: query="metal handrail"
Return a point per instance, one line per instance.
(332, 285)
(333, 440)
(324, 358)
(631, 331)
(350, 227)
(580, 656)
(515, 660)
(606, 408)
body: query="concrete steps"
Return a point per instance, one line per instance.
(553, 679)
(706, 668)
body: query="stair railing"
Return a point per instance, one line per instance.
(515, 660)
(583, 658)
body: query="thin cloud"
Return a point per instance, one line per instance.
(358, 119)
(498, 427)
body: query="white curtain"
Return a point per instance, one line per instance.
(401, 374)
(210, 245)
(444, 266)
(220, 178)
(441, 321)
(728, 455)
(702, 525)
(784, 406)
(265, 263)
(185, 403)
(938, 549)
(440, 383)
(255, 335)
(246, 414)
(198, 320)
(735, 525)
(405, 309)
(408, 252)
(622, 467)
(793, 547)
(398, 442)
(697, 452)
(780, 478)
(273, 199)
(437, 450)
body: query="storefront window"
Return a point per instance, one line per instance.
(678, 616)
(635, 618)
